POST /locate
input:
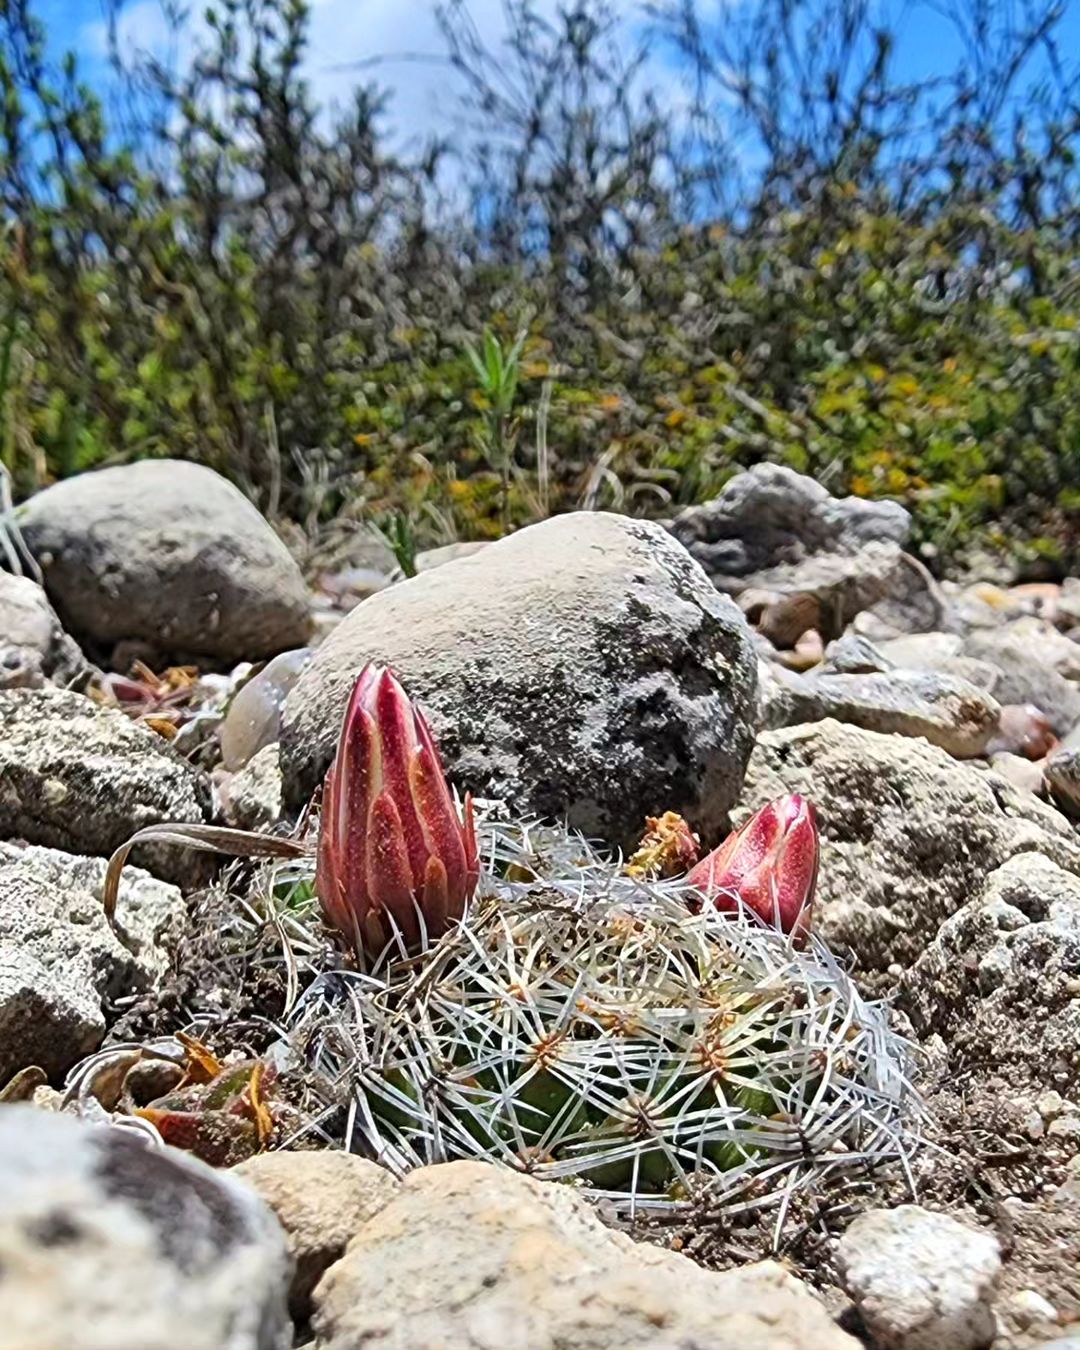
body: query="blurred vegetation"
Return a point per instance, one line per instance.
(811, 260)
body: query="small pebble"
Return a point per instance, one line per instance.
(1028, 1308)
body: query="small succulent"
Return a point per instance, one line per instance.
(396, 864)
(769, 866)
(596, 1028)
(179, 1093)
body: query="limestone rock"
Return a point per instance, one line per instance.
(823, 559)
(1001, 980)
(830, 588)
(920, 1280)
(771, 515)
(1026, 674)
(169, 554)
(252, 798)
(946, 711)
(33, 646)
(1020, 771)
(1062, 776)
(81, 777)
(108, 1244)
(855, 655)
(59, 958)
(321, 1200)
(908, 834)
(582, 668)
(477, 1257)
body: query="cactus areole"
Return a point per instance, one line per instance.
(395, 861)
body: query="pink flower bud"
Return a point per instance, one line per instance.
(392, 850)
(770, 865)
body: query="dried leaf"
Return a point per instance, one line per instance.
(207, 839)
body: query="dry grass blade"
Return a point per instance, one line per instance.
(205, 838)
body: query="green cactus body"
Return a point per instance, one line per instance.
(589, 1028)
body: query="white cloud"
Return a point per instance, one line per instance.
(396, 43)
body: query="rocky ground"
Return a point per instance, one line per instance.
(592, 669)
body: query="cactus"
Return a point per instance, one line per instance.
(587, 1026)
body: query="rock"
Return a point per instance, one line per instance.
(475, 1257)
(1040, 598)
(920, 1280)
(78, 776)
(854, 655)
(321, 1200)
(109, 1244)
(1027, 1308)
(941, 652)
(429, 558)
(1061, 774)
(1055, 650)
(253, 720)
(782, 694)
(33, 646)
(170, 554)
(582, 668)
(1020, 771)
(774, 530)
(359, 564)
(59, 958)
(772, 515)
(808, 652)
(828, 589)
(922, 651)
(1001, 980)
(914, 604)
(1016, 651)
(251, 799)
(1067, 607)
(945, 711)
(909, 835)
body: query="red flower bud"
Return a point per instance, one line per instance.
(391, 847)
(770, 865)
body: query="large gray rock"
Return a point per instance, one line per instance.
(168, 554)
(920, 1280)
(60, 960)
(108, 1244)
(908, 834)
(946, 711)
(821, 559)
(321, 1199)
(1001, 980)
(81, 777)
(33, 646)
(583, 668)
(771, 515)
(475, 1257)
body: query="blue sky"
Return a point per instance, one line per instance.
(343, 31)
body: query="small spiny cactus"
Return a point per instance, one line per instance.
(587, 1026)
